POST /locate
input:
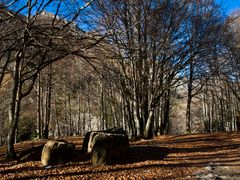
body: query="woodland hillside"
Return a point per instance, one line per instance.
(152, 67)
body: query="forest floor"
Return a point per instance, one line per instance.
(197, 156)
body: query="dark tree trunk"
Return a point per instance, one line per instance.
(14, 112)
(166, 111)
(189, 98)
(14, 117)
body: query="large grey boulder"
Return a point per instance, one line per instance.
(104, 146)
(108, 146)
(57, 152)
(88, 139)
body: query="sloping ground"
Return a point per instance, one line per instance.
(199, 156)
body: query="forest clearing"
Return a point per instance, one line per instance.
(130, 89)
(198, 156)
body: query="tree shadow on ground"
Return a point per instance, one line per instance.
(215, 137)
(210, 147)
(142, 153)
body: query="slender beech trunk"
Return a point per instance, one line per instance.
(66, 116)
(57, 118)
(166, 112)
(89, 110)
(213, 109)
(39, 113)
(189, 98)
(84, 119)
(79, 116)
(205, 112)
(71, 131)
(48, 102)
(102, 107)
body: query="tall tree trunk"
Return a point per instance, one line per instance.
(66, 116)
(102, 107)
(14, 117)
(84, 119)
(79, 116)
(39, 113)
(89, 110)
(57, 118)
(166, 112)
(205, 112)
(71, 131)
(48, 102)
(189, 98)
(14, 111)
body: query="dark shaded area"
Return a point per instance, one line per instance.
(141, 153)
(213, 138)
(80, 156)
(213, 148)
(134, 155)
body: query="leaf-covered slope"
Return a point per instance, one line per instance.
(174, 157)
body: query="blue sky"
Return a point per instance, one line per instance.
(230, 5)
